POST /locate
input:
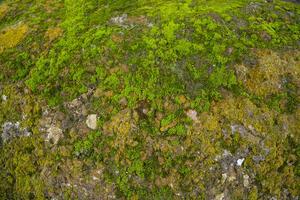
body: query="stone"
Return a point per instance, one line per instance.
(11, 130)
(224, 178)
(246, 180)
(4, 97)
(91, 121)
(220, 196)
(192, 114)
(240, 161)
(54, 134)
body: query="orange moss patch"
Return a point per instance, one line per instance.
(3, 10)
(12, 36)
(268, 76)
(53, 33)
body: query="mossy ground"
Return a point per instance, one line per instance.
(182, 91)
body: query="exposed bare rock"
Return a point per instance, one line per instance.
(91, 121)
(11, 130)
(54, 134)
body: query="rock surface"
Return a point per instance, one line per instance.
(54, 134)
(91, 121)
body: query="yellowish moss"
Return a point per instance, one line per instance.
(241, 111)
(53, 33)
(266, 78)
(209, 122)
(3, 10)
(122, 124)
(12, 36)
(290, 124)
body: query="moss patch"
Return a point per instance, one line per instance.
(12, 36)
(3, 10)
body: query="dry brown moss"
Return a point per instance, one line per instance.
(268, 76)
(53, 33)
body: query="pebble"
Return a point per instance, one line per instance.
(246, 180)
(220, 196)
(91, 121)
(239, 162)
(4, 97)
(11, 130)
(54, 134)
(192, 114)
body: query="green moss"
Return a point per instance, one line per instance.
(233, 63)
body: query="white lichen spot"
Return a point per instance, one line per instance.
(224, 178)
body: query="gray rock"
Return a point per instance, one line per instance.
(11, 130)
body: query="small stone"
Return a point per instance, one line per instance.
(54, 134)
(239, 162)
(220, 196)
(192, 114)
(246, 180)
(75, 103)
(91, 121)
(224, 177)
(229, 51)
(4, 97)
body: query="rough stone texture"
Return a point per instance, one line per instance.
(12, 130)
(91, 121)
(54, 134)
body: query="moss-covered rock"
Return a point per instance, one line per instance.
(188, 99)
